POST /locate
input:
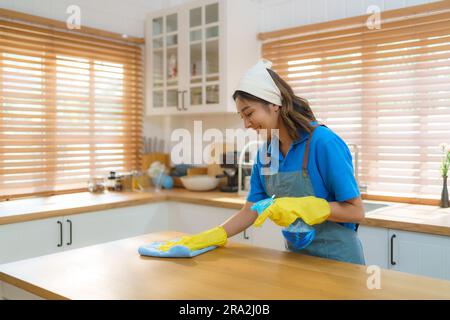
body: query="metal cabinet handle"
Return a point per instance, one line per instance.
(392, 250)
(60, 233)
(178, 104)
(182, 100)
(245, 235)
(70, 232)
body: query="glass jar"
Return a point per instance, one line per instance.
(96, 184)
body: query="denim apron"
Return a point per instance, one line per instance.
(333, 240)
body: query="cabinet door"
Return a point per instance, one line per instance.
(163, 62)
(29, 239)
(193, 218)
(420, 253)
(114, 224)
(204, 56)
(375, 245)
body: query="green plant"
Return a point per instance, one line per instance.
(445, 164)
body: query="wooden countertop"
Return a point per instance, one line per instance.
(409, 217)
(115, 270)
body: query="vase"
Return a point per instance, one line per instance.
(444, 195)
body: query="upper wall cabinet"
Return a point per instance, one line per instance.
(196, 54)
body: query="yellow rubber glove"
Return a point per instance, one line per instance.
(285, 211)
(213, 237)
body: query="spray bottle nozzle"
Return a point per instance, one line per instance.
(261, 205)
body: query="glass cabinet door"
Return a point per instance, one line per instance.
(165, 57)
(204, 55)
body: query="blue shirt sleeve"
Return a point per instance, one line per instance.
(257, 191)
(336, 168)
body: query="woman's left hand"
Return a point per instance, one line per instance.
(284, 211)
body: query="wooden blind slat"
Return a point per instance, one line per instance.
(40, 51)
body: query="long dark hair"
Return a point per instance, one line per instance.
(295, 111)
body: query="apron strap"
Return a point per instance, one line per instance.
(306, 154)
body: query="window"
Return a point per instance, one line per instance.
(386, 90)
(71, 108)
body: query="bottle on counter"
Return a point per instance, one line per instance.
(127, 179)
(111, 181)
(119, 186)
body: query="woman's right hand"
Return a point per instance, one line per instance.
(212, 237)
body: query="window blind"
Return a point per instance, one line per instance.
(71, 108)
(386, 90)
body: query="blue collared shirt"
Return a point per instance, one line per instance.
(330, 168)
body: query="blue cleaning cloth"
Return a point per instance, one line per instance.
(178, 251)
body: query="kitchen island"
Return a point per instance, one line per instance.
(115, 270)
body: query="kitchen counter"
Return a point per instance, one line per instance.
(115, 270)
(409, 217)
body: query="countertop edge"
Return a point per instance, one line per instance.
(407, 226)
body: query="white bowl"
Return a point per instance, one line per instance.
(200, 182)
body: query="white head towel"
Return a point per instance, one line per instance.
(258, 82)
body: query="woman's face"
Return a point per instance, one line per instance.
(258, 116)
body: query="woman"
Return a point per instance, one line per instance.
(314, 180)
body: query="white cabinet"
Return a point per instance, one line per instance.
(405, 251)
(419, 253)
(196, 53)
(29, 239)
(375, 245)
(40, 237)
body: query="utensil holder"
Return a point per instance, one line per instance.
(149, 158)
